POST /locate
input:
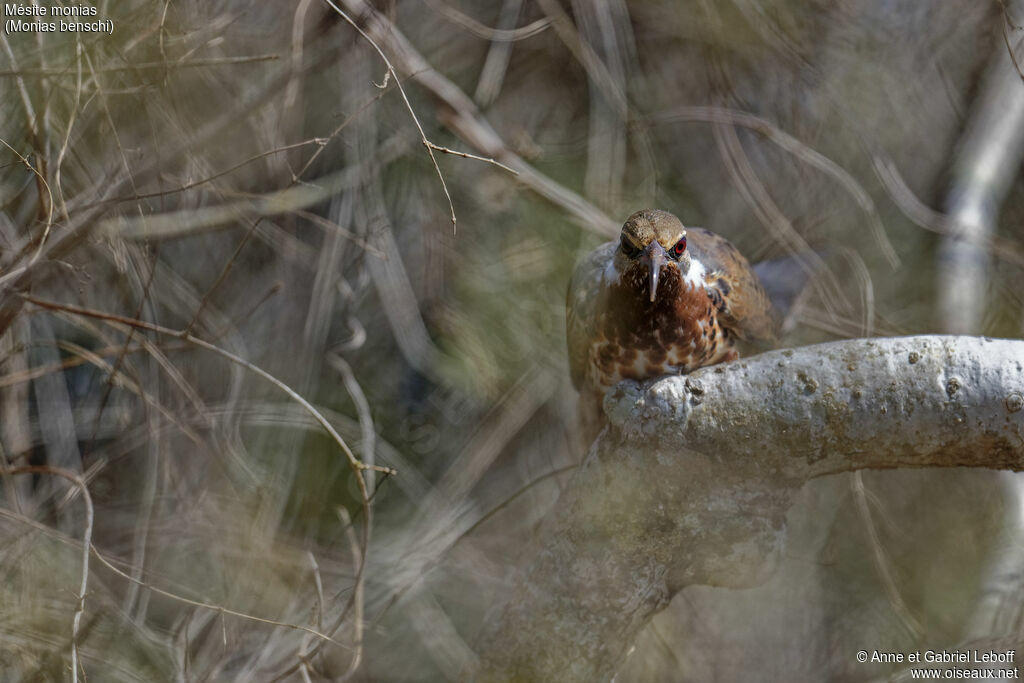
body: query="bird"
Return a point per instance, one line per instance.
(662, 299)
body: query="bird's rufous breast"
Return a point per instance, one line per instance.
(662, 299)
(638, 339)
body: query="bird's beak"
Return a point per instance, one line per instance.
(654, 257)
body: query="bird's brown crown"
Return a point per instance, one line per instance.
(647, 225)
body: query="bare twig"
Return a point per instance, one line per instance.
(219, 609)
(83, 587)
(144, 66)
(585, 55)
(928, 218)
(357, 465)
(771, 216)
(296, 178)
(220, 174)
(497, 35)
(463, 118)
(357, 594)
(72, 118)
(466, 155)
(318, 582)
(47, 203)
(882, 562)
(798, 149)
(492, 75)
(362, 409)
(405, 98)
(1007, 25)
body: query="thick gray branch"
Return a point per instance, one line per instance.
(692, 479)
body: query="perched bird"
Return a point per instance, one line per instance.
(663, 299)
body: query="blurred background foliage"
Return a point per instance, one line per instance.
(251, 173)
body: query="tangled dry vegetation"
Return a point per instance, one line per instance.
(282, 367)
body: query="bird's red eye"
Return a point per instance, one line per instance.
(680, 247)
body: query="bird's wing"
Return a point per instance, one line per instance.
(744, 306)
(581, 307)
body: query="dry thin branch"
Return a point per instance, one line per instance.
(358, 467)
(48, 203)
(142, 66)
(492, 75)
(1007, 25)
(771, 216)
(296, 178)
(121, 379)
(421, 546)
(928, 218)
(460, 115)
(597, 70)
(604, 25)
(146, 284)
(26, 101)
(219, 609)
(174, 224)
(355, 392)
(72, 119)
(883, 564)
(357, 595)
(318, 582)
(87, 547)
(798, 149)
(466, 155)
(112, 564)
(81, 223)
(220, 174)
(496, 35)
(83, 587)
(408, 105)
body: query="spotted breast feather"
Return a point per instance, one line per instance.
(662, 299)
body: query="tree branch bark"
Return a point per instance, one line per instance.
(691, 481)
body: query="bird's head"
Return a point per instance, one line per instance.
(650, 241)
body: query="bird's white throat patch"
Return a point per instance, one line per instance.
(695, 275)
